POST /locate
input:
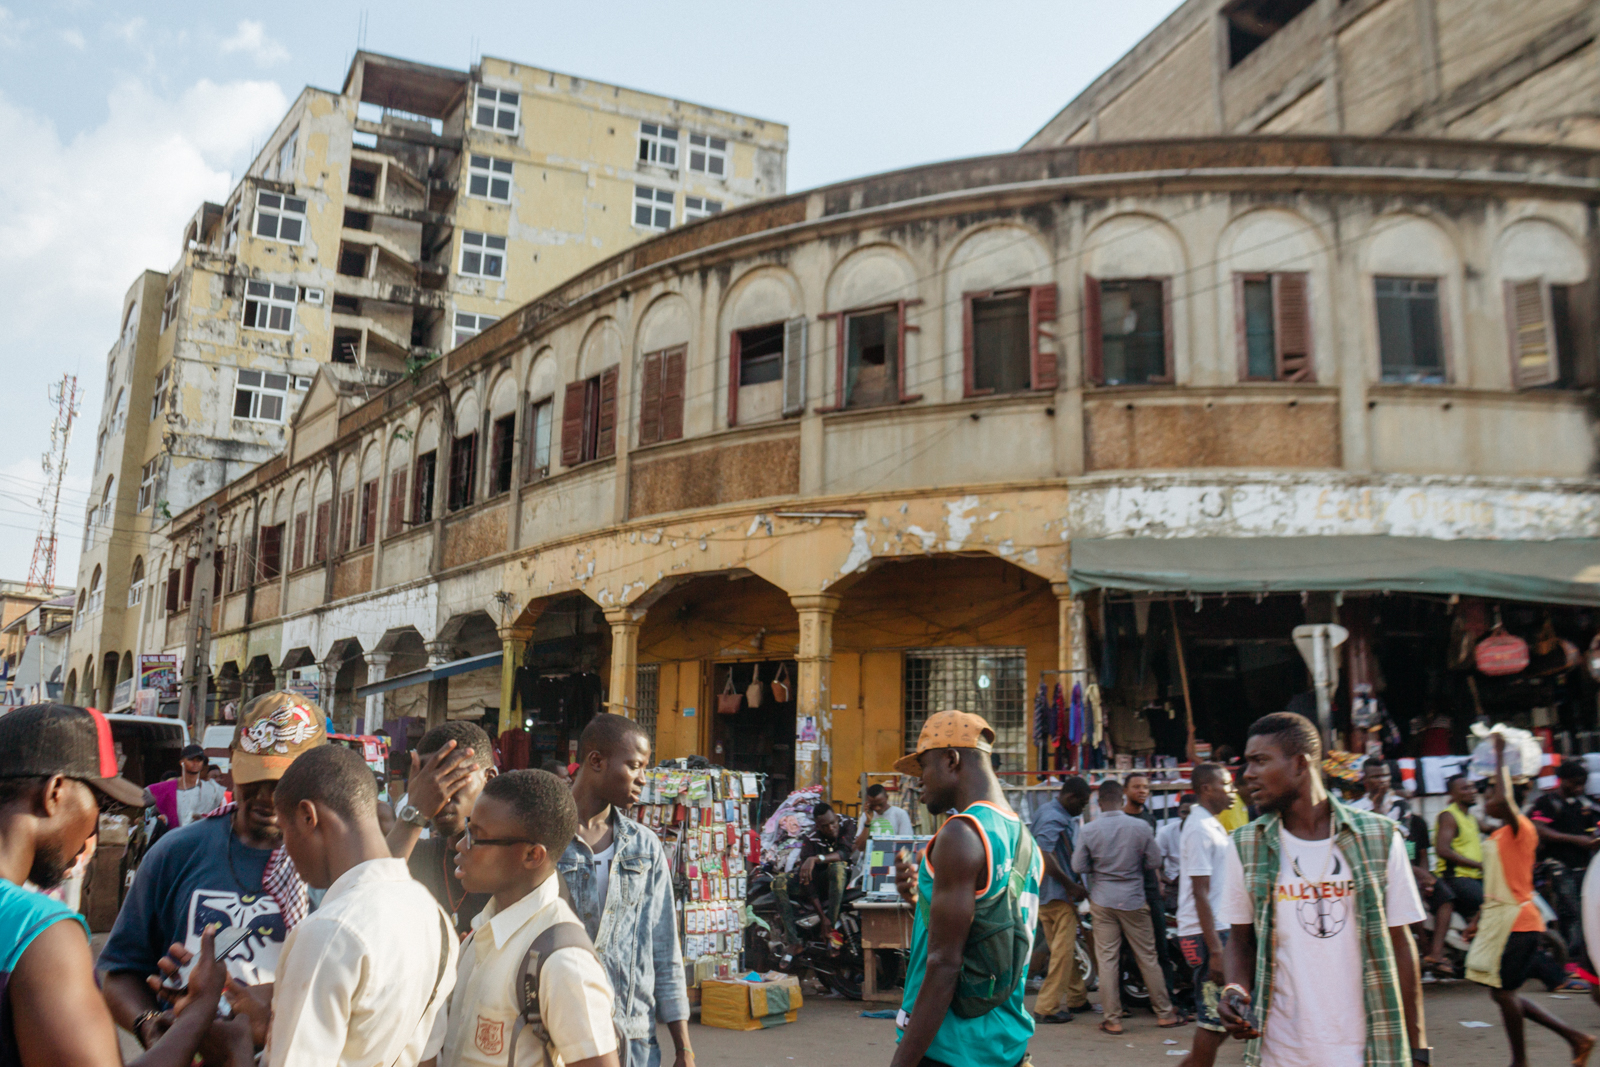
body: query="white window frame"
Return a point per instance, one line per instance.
(491, 172)
(469, 325)
(262, 386)
(286, 154)
(658, 145)
(147, 484)
(486, 98)
(169, 304)
(135, 593)
(657, 204)
(158, 399)
(265, 303)
(700, 207)
(484, 247)
(711, 153)
(282, 210)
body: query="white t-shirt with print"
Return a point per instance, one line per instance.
(1205, 851)
(1317, 1017)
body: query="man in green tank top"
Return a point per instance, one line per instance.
(976, 892)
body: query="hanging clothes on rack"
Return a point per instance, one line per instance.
(1075, 722)
(1058, 713)
(1041, 727)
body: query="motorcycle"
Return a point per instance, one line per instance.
(838, 968)
(1134, 991)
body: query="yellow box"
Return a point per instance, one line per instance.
(749, 1005)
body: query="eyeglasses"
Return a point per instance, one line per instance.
(469, 842)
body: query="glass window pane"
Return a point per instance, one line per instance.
(471, 262)
(270, 200)
(293, 204)
(507, 120)
(485, 116)
(478, 185)
(697, 139)
(1261, 358)
(288, 229)
(719, 144)
(503, 166)
(271, 408)
(669, 132)
(716, 165)
(492, 265)
(249, 377)
(470, 238)
(500, 189)
(280, 318)
(266, 225)
(480, 161)
(276, 381)
(284, 292)
(664, 196)
(697, 161)
(872, 363)
(508, 99)
(465, 320)
(485, 93)
(258, 288)
(669, 156)
(647, 128)
(1000, 349)
(713, 206)
(242, 400)
(663, 218)
(495, 242)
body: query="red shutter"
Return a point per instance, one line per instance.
(650, 400)
(735, 354)
(900, 355)
(397, 500)
(347, 514)
(572, 424)
(672, 372)
(1042, 305)
(299, 554)
(969, 376)
(607, 442)
(1292, 328)
(319, 534)
(173, 591)
(369, 512)
(1094, 365)
(188, 580)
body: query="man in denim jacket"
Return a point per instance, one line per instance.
(621, 886)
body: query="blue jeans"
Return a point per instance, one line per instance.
(643, 1052)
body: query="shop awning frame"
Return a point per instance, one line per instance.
(1541, 572)
(430, 674)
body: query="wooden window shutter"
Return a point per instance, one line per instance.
(172, 592)
(1042, 305)
(1292, 327)
(231, 558)
(650, 400)
(673, 367)
(369, 512)
(572, 424)
(607, 440)
(1169, 371)
(298, 557)
(188, 579)
(794, 366)
(397, 500)
(347, 515)
(969, 377)
(1533, 346)
(735, 354)
(319, 533)
(1094, 364)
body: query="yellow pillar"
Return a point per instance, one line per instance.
(624, 693)
(513, 644)
(813, 750)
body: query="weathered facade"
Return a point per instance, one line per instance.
(854, 435)
(379, 226)
(1516, 70)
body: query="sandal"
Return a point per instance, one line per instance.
(1573, 985)
(1177, 1021)
(1105, 1028)
(1441, 967)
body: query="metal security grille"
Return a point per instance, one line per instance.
(991, 682)
(649, 696)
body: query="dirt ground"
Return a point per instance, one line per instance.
(831, 1033)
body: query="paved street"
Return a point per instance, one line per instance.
(831, 1033)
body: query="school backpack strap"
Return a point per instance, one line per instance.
(551, 940)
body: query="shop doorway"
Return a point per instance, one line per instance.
(755, 738)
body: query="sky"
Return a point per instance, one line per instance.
(118, 120)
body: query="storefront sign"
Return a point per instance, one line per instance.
(1323, 505)
(159, 671)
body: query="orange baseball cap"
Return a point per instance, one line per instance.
(948, 729)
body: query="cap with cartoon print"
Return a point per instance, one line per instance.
(273, 729)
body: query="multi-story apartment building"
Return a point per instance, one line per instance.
(380, 226)
(1516, 70)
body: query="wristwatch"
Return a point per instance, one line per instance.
(408, 813)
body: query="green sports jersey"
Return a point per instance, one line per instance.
(1000, 1037)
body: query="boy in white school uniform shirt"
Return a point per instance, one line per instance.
(363, 980)
(520, 826)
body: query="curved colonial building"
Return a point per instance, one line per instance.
(938, 436)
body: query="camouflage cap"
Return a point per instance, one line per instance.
(273, 729)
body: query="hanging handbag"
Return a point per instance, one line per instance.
(756, 692)
(1501, 653)
(780, 685)
(729, 699)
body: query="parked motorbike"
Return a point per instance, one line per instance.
(838, 968)
(1134, 991)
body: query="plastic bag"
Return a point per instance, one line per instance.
(1524, 757)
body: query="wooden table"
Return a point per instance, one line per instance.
(885, 924)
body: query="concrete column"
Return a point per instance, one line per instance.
(439, 653)
(327, 686)
(624, 690)
(280, 678)
(514, 638)
(813, 761)
(377, 671)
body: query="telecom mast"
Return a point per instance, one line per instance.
(42, 571)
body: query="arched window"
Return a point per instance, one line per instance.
(97, 594)
(136, 583)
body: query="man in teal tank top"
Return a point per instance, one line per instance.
(976, 892)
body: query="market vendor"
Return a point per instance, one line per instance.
(822, 871)
(1460, 846)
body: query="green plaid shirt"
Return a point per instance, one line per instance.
(1365, 839)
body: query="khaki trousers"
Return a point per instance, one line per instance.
(1110, 927)
(1063, 985)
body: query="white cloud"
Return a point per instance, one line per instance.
(83, 217)
(251, 39)
(74, 38)
(131, 30)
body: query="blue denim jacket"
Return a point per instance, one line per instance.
(637, 934)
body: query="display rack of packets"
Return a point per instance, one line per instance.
(703, 819)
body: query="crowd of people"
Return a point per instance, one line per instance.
(523, 918)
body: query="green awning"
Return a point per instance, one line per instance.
(1545, 572)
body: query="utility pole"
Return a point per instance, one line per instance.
(197, 659)
(42, 571)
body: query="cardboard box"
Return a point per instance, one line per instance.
(741, 1005)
